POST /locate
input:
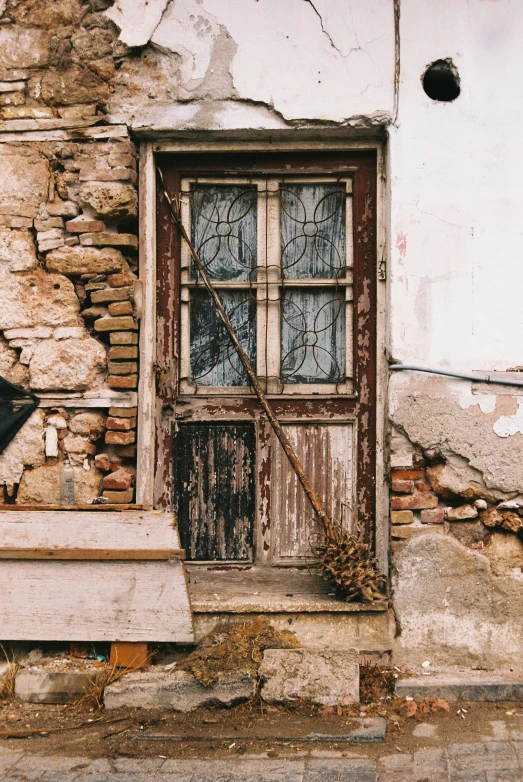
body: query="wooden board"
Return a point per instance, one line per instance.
(53, 529)
(94, 601)
(103, 593)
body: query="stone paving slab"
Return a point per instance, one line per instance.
(462, 686)
(487, 761)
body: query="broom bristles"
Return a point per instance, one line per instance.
(348, 563)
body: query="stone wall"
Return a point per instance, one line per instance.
(68, 253)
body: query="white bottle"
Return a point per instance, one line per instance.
(67, 484)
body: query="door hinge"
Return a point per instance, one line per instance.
(382, 270)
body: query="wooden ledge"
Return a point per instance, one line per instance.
(73, 508)
(93, 554)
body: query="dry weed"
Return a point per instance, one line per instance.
(7, 681)
(376, 682)
(235, 647)
(92, 697)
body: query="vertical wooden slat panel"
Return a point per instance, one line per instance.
(326, 452)
(215, 490)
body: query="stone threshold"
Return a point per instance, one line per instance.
(464, 685)
(234, 589)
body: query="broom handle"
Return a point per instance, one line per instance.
(303, 478)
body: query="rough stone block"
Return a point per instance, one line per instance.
(81, 260)
(402, 487)
(62, 208)
(402, 517)
(123, 367)
(415, 501)
(110, 199)
(110, 294)
(122, 352)
(402, 474)
(69, 332)
(27, 112)
(91, 424)
(39, 332)
(125, 161)
(83, 224)
(35, 299)
(52, 686)
(92, 313)
(123, 412)
(109, 239)
(124, 497)
(41, 485)
(449, 484)
(102, 462)
(25, 179)
(123, 338)
(25, 450)
(72, 86)
(79, 111)
(120, 308)
(117, 174)
(77, 444)
(120, 424)
(462, 513)
(17, 250)
(119, 479)
(328, 678)
(108, 323)
(123, 381)
(178, 691)
(119, 438)
(23, 47)
(433, 516)
(121, 280)
(126, 451)
(69, 364)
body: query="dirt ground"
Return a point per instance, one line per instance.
(252, 728)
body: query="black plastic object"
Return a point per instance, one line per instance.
(16, 405)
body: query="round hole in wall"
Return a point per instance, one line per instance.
(441, 81)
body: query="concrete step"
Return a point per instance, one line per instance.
(464, 685)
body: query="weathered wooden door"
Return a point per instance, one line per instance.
(289, 242)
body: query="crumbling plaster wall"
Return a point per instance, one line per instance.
(76, 81)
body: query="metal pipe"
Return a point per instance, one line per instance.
(461, 375)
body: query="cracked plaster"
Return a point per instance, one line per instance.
(252, 52)
(431, 414)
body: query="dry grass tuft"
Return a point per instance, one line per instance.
(235, 647)
(93, 696)
(7, 681)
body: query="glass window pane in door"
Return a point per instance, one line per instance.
(313, 230)
(214, 361)
(224, 230)
(313, 335)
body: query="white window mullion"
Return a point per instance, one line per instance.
(272, 291)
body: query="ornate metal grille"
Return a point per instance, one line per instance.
(263, 247)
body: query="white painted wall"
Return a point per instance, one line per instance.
(456, 199)
(456, 236)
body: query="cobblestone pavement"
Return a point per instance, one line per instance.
(488, 761)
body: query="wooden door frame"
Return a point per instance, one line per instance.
(158, 337)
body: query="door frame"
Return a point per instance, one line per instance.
(154, 473)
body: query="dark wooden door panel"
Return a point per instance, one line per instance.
(214, 481)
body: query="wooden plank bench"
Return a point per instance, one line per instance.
(92, 576)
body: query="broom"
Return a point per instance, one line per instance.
(343, 559)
